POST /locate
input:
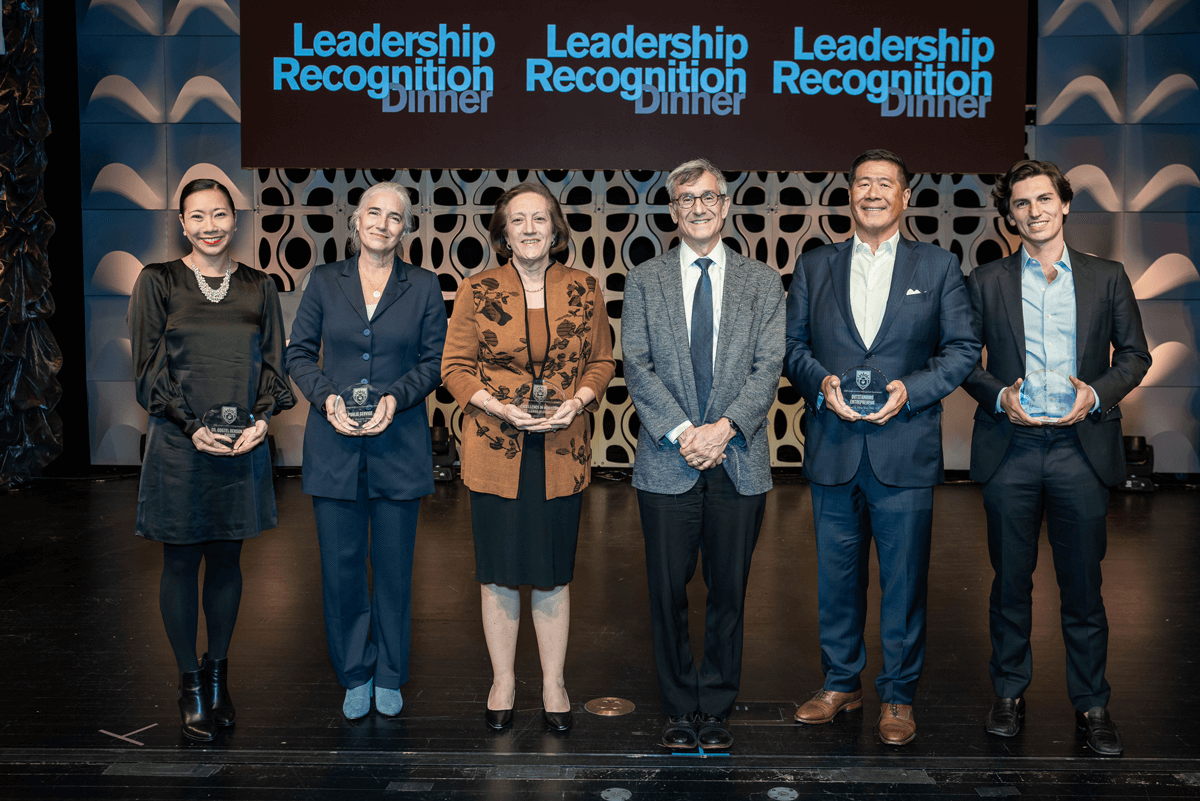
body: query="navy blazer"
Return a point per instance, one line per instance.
(925, 340)
(1106, 313)
(399, 350)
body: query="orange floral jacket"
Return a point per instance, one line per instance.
(486, 349)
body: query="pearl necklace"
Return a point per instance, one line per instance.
(214, 295)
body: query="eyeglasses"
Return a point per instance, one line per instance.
(708, 198)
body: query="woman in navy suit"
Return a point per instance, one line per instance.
(378, 322)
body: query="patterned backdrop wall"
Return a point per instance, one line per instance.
(617, 219)
(160, 105)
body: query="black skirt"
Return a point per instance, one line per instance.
(526, 540)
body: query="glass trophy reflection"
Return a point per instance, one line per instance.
(543, 400)
(361, 401)
(227, 420)
(864, 389)
(1047, 395)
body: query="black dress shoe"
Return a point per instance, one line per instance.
(557, 721)
(1006, 717)
(498, 719)
(1101, 732)
(194, 708)
(680, 732)
(216, 677)
(713, 733)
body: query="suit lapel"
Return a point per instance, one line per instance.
(1085, 297)
(352, 288)
(840, 276)
(1010, 297)
(397, 284)
(903, 268)
(671, 282)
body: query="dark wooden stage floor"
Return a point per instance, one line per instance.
(83, 655)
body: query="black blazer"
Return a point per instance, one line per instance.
(399, 350)
(1106, 313)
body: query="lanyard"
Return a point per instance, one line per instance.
(528, 340)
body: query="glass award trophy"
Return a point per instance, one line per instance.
(361, 401)
(543, 400)
(1047, 395)
(227, 420)
(864, 389)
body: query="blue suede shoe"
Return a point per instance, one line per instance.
(358, 701)
(388, 702)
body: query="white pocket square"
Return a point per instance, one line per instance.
(913, 292)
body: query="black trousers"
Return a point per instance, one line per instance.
(713, 520)
(1045, 472)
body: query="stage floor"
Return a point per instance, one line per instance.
(89, 682)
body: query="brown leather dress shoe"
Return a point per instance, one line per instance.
(897, 726)
(826, 704)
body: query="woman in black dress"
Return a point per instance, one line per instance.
(206, 332)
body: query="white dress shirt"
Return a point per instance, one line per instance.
(690, 274)
(870, 284)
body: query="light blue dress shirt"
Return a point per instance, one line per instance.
(1048, 310)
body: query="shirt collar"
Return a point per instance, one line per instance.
(687, 256)
(1028, 261)
(888, 246)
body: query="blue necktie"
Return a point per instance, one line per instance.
(702, 335)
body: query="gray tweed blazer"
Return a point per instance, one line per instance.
(658, 370)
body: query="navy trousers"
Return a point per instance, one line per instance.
(367, 630)
(713, 520)
(1045, 472)
(899, 519)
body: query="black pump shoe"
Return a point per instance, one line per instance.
(558, 721)
(194, 707)
(216, 679)
(498, 719)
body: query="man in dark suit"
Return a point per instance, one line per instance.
(875, 301)
(702, 342)
(1048, 310)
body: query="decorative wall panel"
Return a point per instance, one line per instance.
(1119, 107)
(617, 219)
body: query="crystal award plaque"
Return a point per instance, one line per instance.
(864, 389)
(1047, 395)
(543, 400)
(361, 401)
(227, 420)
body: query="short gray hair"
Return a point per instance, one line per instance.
(690, 172)
(382, 186)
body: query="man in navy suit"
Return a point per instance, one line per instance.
(900, 307)
(1049, 310)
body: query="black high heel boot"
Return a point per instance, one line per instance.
(216, 677)
(194, 707)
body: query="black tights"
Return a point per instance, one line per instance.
(222, 595)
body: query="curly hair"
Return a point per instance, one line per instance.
(1028, 168)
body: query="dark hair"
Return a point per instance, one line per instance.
(562, 234)
(201, 185)
(879, 154)
(1027, 168)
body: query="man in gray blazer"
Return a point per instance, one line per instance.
(702, 338)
